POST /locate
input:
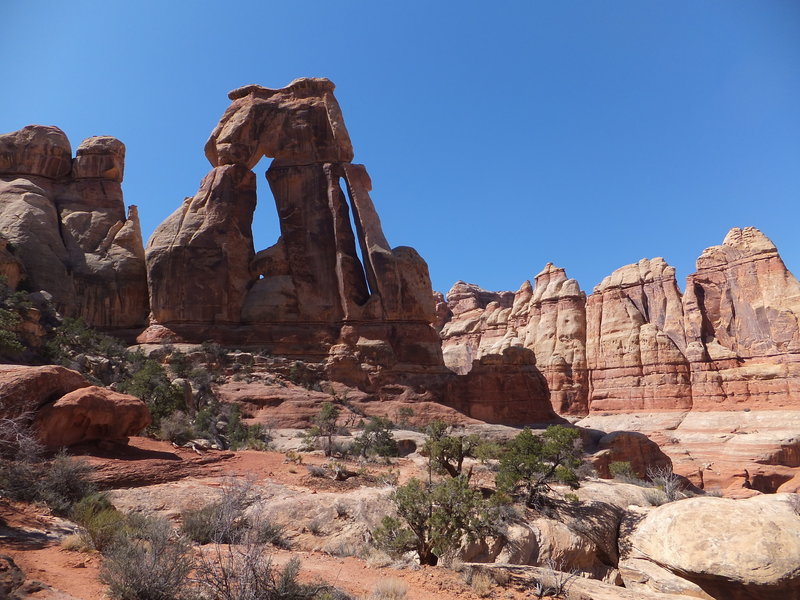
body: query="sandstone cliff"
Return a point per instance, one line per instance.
(549, 320)
(65, 220)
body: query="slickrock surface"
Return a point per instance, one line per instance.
(679, 547)
(67, 223)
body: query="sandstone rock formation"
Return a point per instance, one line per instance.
(321, 274)
(548, 319)
(66, 221)
(65, 409)
(717, 548)
(331, 289)
(635, 341)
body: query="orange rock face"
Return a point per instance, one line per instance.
(90, 414)
(548, 320)
(66, 221)
(63, 407)
(635, 340)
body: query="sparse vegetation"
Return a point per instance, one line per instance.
(389, 589)
(324, 428)
(148, 563)
(376, 439)
(445, 452)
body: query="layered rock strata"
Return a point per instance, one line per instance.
(64, 219)
(639, 347)
(637, 344)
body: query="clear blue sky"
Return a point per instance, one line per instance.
(499, 135)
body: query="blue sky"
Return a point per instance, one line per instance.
(499, 136)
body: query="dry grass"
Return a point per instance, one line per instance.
(74, 542)
(389, 589)
(482, 584)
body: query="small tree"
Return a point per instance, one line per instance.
(446, 453)
(149, 382)
(434, 518)
(325, 426)
(532, 462)
(377, 438)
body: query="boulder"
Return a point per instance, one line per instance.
(26, 389)
(724, 549)
(90, 414)
(35, 150)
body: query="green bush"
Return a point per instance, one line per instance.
(102, 523)
(531, 462)
(434, 519)
(445, 452)
(623, 471)
(149, 382)
(376, 439)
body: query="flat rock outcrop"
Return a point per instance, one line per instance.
(66, 222)
(717, 548)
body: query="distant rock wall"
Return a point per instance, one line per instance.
(636, 343)
(63, 221)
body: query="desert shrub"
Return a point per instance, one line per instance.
(482, 585)
(72, 338)
(531, 462)
(10, 344)
(179, 363)
(64, 482)
(317, 470)
(149, 563)
(177, 427)
(376, 439)
(404, 415)
(246, 571)
(239, 435)
(149, 382)
(668, 482)
(623, 471)
(324, 428)
(434, 518)
(102, 528)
